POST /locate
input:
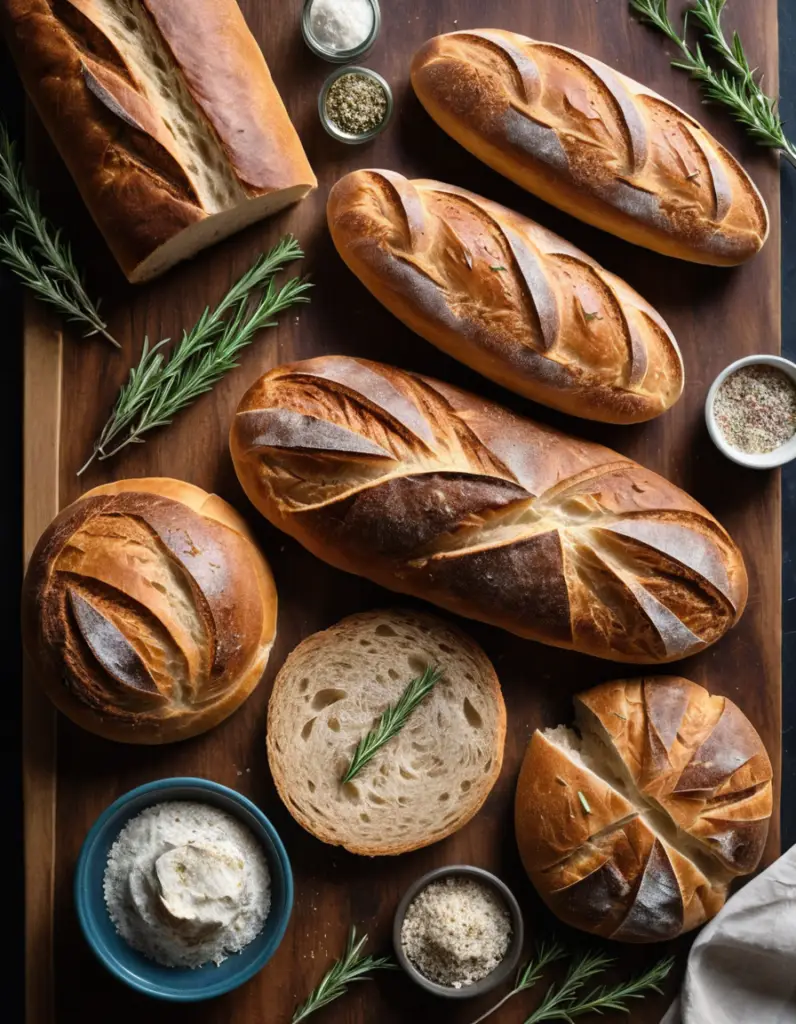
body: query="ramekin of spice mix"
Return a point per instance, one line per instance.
(355, 105)
(458, 932)
(751, 412)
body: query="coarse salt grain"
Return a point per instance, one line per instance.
(755, 409)
(456, 931)
(341, 24)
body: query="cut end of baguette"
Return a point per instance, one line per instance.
(215, 228)
(426, 782)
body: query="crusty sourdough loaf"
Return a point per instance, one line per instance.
(431, 491)
(593, 142)
(425, 783)
(504, 295)
(166, 115)
(634, 827)
(148, 611)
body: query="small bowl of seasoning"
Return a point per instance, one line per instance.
(355, 105)
(458, 932)
(751, 412)
(183, 889)
(340, 30)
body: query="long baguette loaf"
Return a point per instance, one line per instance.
(509, 298)
(166, 115)
(593, 142)
(431, 491)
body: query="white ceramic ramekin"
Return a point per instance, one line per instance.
(779, 456)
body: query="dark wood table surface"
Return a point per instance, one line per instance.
(334, 888)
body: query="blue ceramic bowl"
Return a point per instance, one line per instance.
(183, 985)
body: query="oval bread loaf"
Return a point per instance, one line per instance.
(425, 783)
(633, 827)
(507, 297)
(592, 142)
(148, 611)
(431, 491)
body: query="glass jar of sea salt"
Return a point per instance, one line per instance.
(340, 30)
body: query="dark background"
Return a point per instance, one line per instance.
(11, 506)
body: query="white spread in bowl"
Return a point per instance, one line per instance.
(187, 883)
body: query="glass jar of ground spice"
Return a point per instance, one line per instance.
(355, 105)
(752, 412)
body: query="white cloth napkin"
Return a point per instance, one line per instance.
(742, 967)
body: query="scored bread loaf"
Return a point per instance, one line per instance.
(633, 827)
(434, 492)
(592, 142)
(507, 297)
(166, 115)
(425, 783)
(148, 611)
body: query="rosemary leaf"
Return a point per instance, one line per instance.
(351, 967)
(392, 721)
(160, 386)
(734, 86)
(38, 254)
(529, 975)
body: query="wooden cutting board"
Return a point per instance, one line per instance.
(717, 315)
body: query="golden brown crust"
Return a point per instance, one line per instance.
(593, 142)
(631, 886)
(148, 614)
(634, 830)
(697, 756)
(110, 101)
(433, 492)
(550, 780)
(237, 94)
(507, 297)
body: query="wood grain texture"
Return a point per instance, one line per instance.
(42, 405)
(717, 315)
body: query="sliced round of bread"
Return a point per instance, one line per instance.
(423, 784)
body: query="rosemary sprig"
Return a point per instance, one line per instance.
(565, 1002)
(617, 996)
(735, 86)
(38, 254)
(560, 1001)
(392, 721)
(529, 975)
(159, 387)
(708, 14)
(351, 967)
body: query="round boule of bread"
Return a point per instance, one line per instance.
(149, 613)
(422, 785)
(633, 826)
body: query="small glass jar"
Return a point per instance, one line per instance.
(339, 56)
(332, 128)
